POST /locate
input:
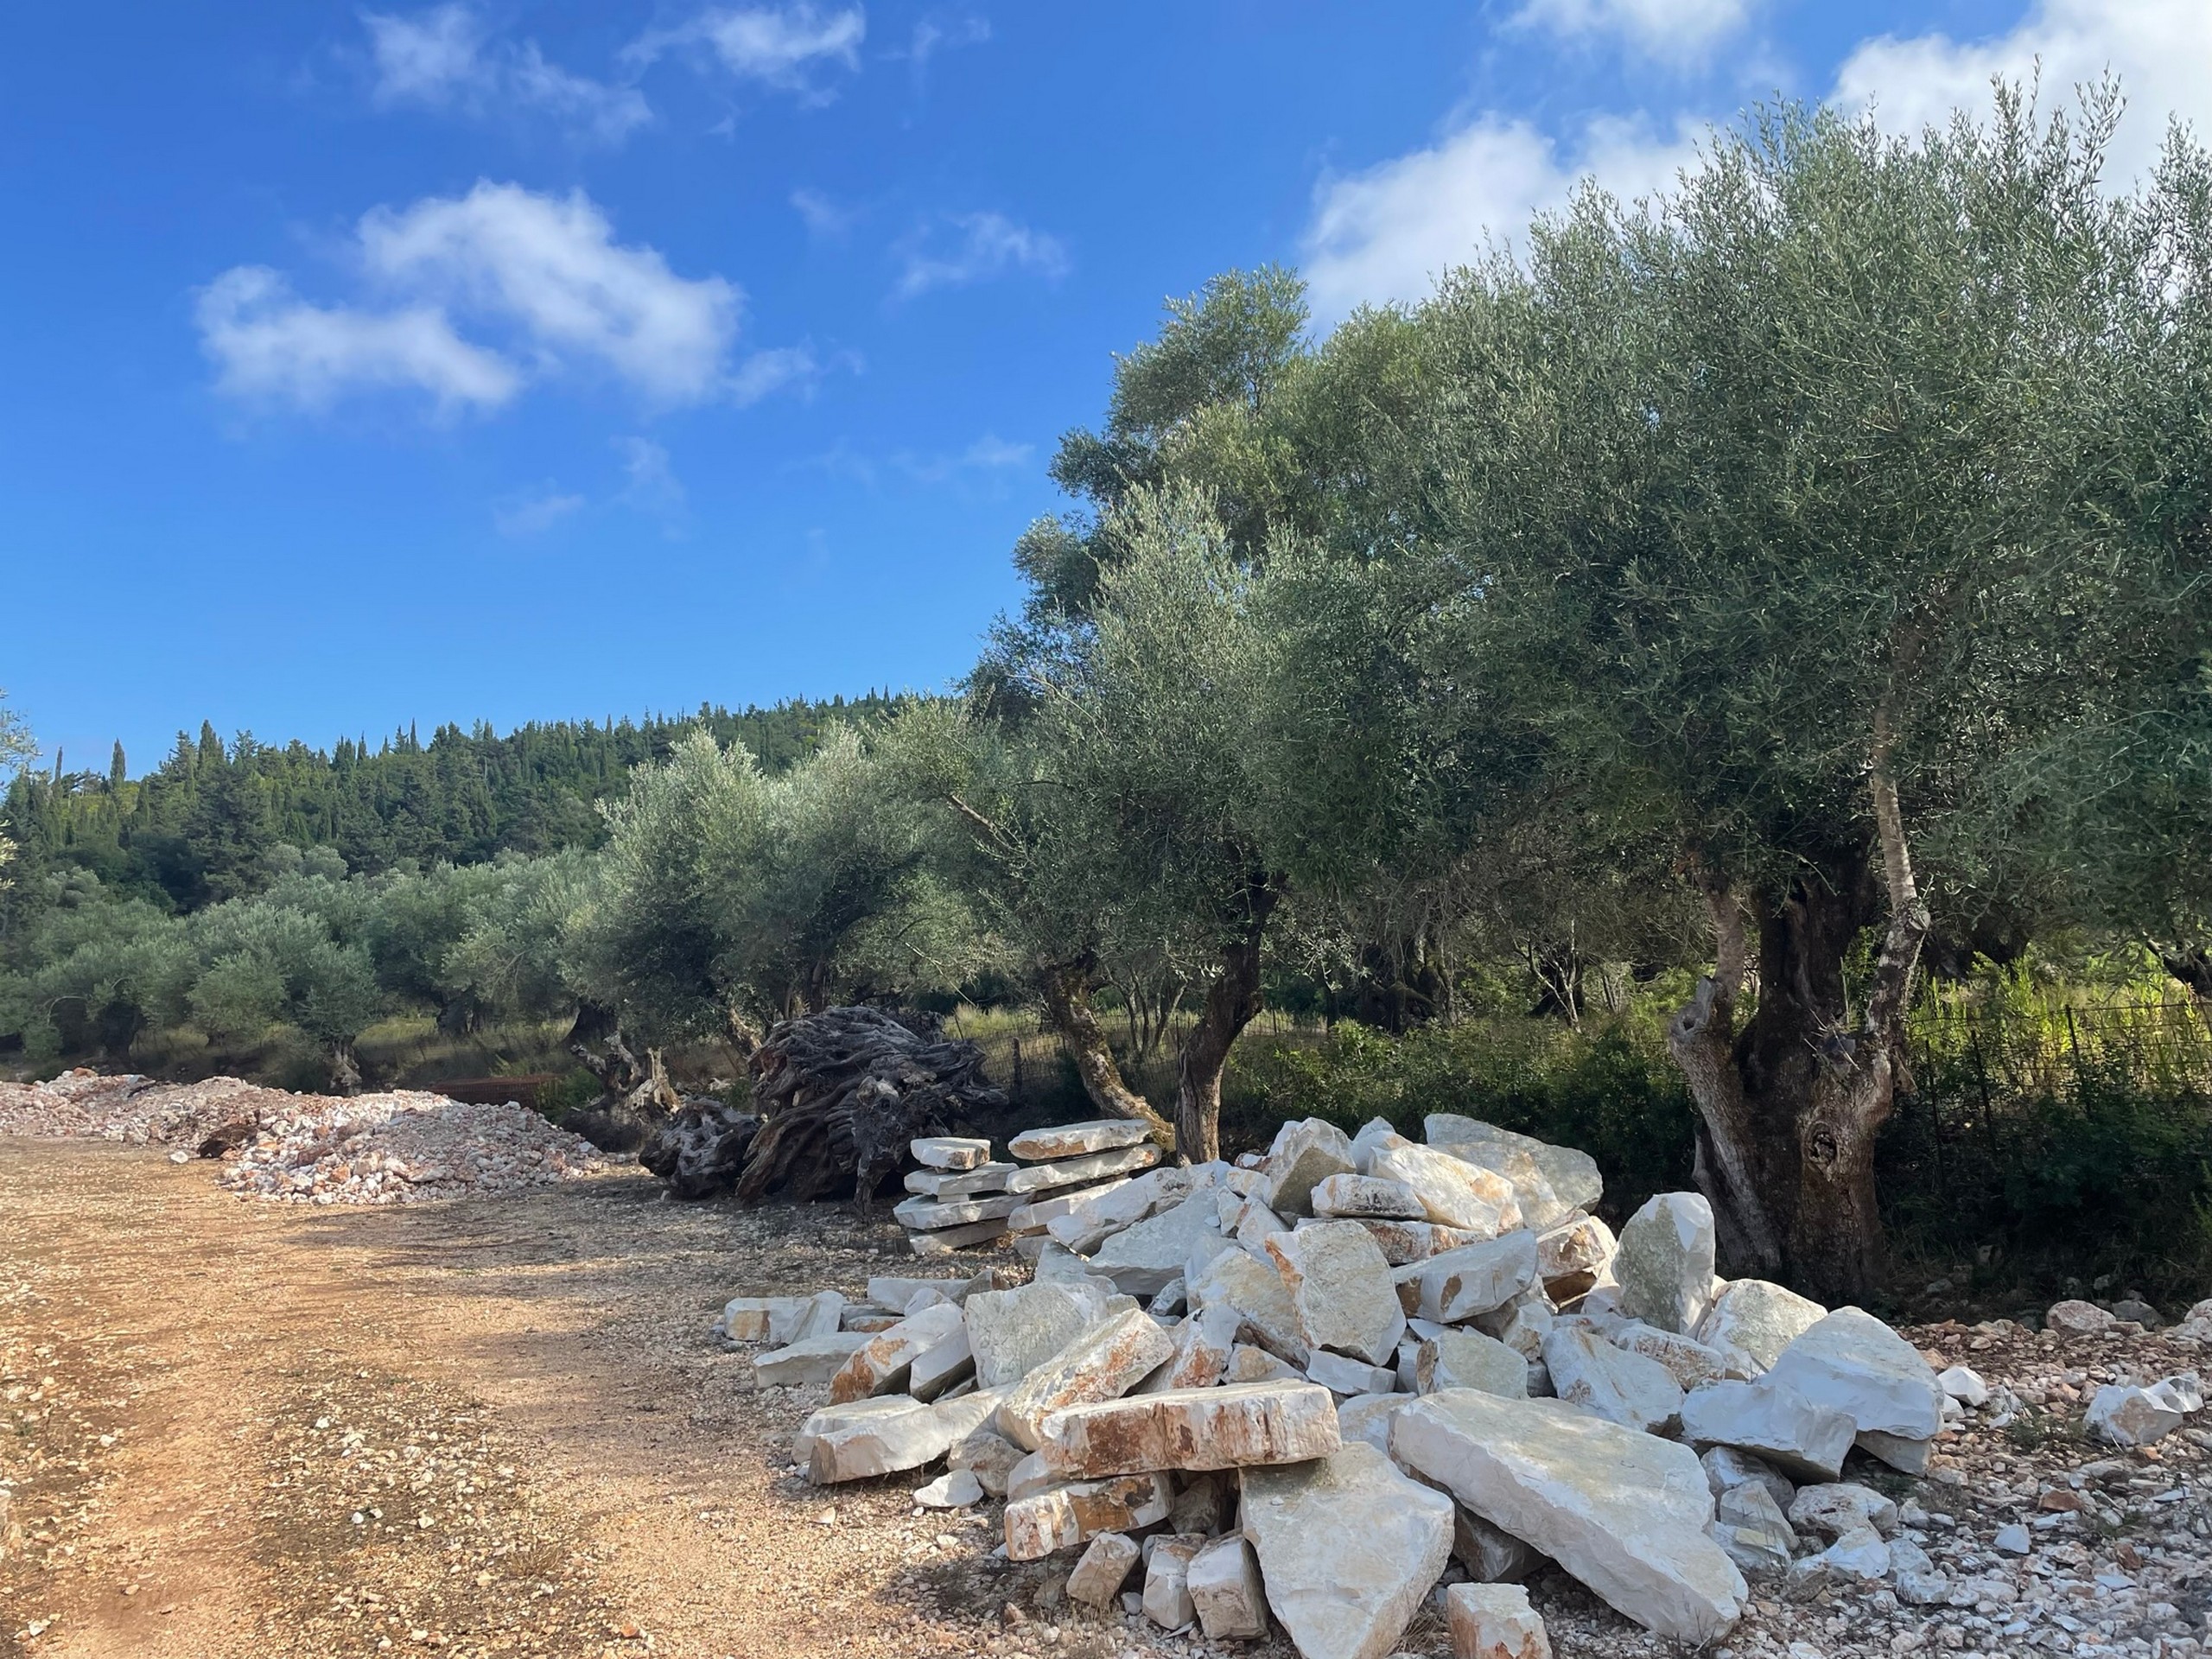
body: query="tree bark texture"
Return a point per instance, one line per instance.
(1066, 987)
(1231, 1003)
(1789, 1104)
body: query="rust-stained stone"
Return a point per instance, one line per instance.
(1060, 1518)
(1103, 1363)
(1194, 1428)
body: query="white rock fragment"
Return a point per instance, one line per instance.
(1081, 1171)
(1664, 1263)
(949, 1151)
(1621, 1387)
(2133, 1416)
(1963, 1385)
(1104, 1363)
(1468, 1359)
(811, 1359)
(1238, 1280)
(881, 1364)
(1473, 1279)
(1305, 1155)
(1624, 1512)
(1450, 1190)
(1808, 1440)
(1752, 1321)
(1494, 1621)
(957, 1489)
(1348, 1547)
(1689, 1362)
(1011, 1331)
(1572, 1174)
(1339, 1287)
(748, 1318)
(1141, 1259)
(1227, 1428)
(1837, 1507)
(1104, 1568)
(1343, 1375)
(1851, 1363)
(1167, 1580)
(1224, 1582)
(1365, 1196)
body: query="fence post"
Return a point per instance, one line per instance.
(1981, 1079)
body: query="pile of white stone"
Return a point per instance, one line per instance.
(87, 1105)
(962, 1198)
(1324, 1383)
(404, 1148)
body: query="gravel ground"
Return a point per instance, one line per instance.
(501, 1426)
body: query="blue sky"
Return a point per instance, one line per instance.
(378, 365)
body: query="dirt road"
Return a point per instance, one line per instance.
(485, 1426)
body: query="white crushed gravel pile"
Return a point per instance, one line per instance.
(404, 1147)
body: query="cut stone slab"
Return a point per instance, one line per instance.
(1572, 1174)
(1664, 1263)
(1689, 1362)
(1228, 1428)
(1103, 1363)
(959, 1184)
(899, 1434)
(990, 1457)
(1623, 1511)
(890, 1291)
(944, 1365)
(931, 1215)
(1476, 1278)
(1360, 1196)
(1013, 1332)
(1622, 1387)
(1305, 1155)
(1851, 1363)
(819, 1315)
(1223, 1582)
(1494, 1621)
(1451, 1191)
(949, 1151)
(1236, 1278)
(2132, 1416)
(957, 1489)
(747, 1319)
(1046, 1208)
(945, 1240)
(1468, 1359)
(836, 1417)
(811, 1359)
(1342, 1374)
(1075, 1140)
(882, 1363)
(1348, 1548)
(1802, 1437)
(1405, 1241)
(1060, 1518)
(1752, 1321)
(1167, 1580)
(1142, 1259)
(1339, 1286)
(1081, 1171)
(1104, 1568)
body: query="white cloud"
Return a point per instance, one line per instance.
(933, 35)
(985, 245)
(541, 276)
(2160, 49)
(1389, 232)
(443, 59)
(535, 513)
(774, 46)
(1672, 31)
(986, 457)
(823, 217)
(653, 486)
(268, 345)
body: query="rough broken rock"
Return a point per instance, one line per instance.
(1575, 1256)
(1011, 1331)
(1104, 1363)
(1689, 1362)
(1167, 1580)
(1305, 1155)
(1060, 1518)
(2133, 1416)
(1074, 1139)
(1142, 1260)
(951, 1151)
(990, 1457)
(1468, 1359)
(1450, 1190)
(1223, 1581)
(1340, 1288)
(1341, 1374)
(1226, 1427)
(1808, 1440)
(1623, 1511)
(1104, 1568)
(1494, 1621)
(746, 1319)
(1837, 1507)
(1238, 1280)
(1619, 1386)
(1752, 1321)
(1851, 1363)
(957, 1489)
(1348, 1547)
(883, 1436)
(1356, 1197)
(881, 1364)
(811, 1359)
(1572, 1174)
(1367, 1417)
(1473, 1279)
(1664, 1263)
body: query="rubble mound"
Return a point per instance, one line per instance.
(399, 1148)
(1329, 1387)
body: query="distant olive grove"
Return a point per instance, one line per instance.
(1776, 590)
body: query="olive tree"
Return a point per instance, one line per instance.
(1769, 525)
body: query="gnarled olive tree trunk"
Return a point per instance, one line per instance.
(1232, 1002)
(1066, 986)
(1789, 1104)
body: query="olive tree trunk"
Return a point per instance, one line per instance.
(1232, 1002)
(1789, 1104)
(1066, 986)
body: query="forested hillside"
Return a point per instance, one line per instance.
(216, 820)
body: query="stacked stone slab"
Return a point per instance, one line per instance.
(1287, 1393)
